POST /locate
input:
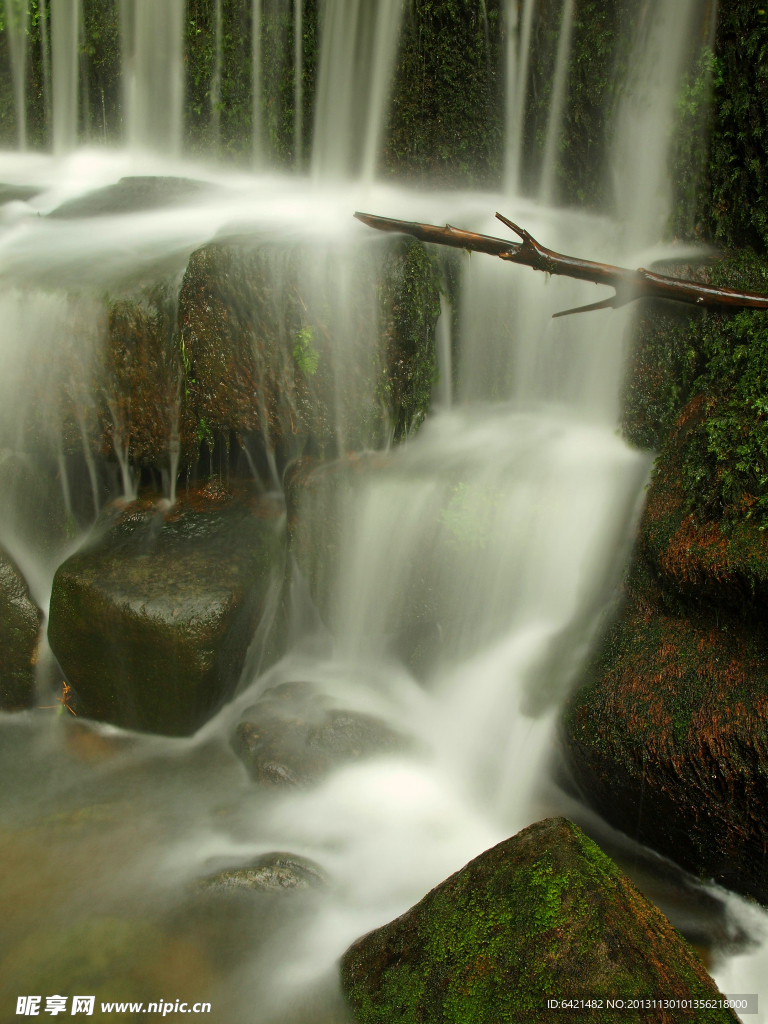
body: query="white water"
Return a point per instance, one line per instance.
(16, 16)
(65, 33)
(557, 105)
(518, 63)
(358, 46)
(506, 520)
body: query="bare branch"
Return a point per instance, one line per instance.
(628, 285)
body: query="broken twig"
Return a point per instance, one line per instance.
(628, 285)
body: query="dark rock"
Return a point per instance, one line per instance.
(20, 621)
(668, 736)
(132, 195)
(17, 193)
(151, 619)
(292, 736)
(271, 873)
(542, 915)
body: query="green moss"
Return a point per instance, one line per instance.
(544, 914)
(410, 304)
(447, 111)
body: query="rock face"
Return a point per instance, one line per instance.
(20, 621)
(292, 736)
(152, 618)
(132, 195)
(272, 873)
(668, 736)
(544, 914)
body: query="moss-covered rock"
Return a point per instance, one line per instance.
(20, 621)
(151, 619)
(269, 348)
(542, 915)
(668, 736)
(293, 736)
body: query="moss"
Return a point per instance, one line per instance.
(736, 197)
(545, 914)
(410, 299)
(447, 110)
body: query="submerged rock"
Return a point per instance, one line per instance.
(132, 195)
(292, 736)
(151, 619)
(542, 915)
(271, 873)
(20, 621)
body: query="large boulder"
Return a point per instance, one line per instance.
(667, 737)
(20, 621)
(294, 736)
(543, 915)
(152, 618)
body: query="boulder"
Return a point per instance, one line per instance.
(272, 873)
(293, 736)
(152, 618)
(668, 735)
(20, 621)
(542, 915)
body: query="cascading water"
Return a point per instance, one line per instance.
(16, 15)
(65, 32)
(557, 105)
(472, 564)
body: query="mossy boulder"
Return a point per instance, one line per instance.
(294, 736)
(152, 618)
(668, 736)
(542, 915)
(272, 346)
(20, 621)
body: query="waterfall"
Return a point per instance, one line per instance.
(16, 21)
(258, 145)
(65, 33)
(518, 62)
(216, 79)
(46, 62)
(557, 104)
(153, 81)
(298, 84)
(357, 51)
(646, 116)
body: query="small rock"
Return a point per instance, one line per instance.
(20, 621)
(292, 736)
(271, 873)
(17, 193)
(542, 915)
(151, 619)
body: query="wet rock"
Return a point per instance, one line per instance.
(20, 621)
(152, 618)
(272, 873)
(292, 736)
(273, 347)
(668, 736)
(34, 507)
(132, 195)
(544, 914)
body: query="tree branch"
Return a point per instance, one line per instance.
(629, 285)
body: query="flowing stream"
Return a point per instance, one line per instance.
(509, 517)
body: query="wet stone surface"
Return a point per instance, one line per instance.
(20, 621)
(271, 873)
(132, 195)
(152, 618)
(292, 736)
(544, 914)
